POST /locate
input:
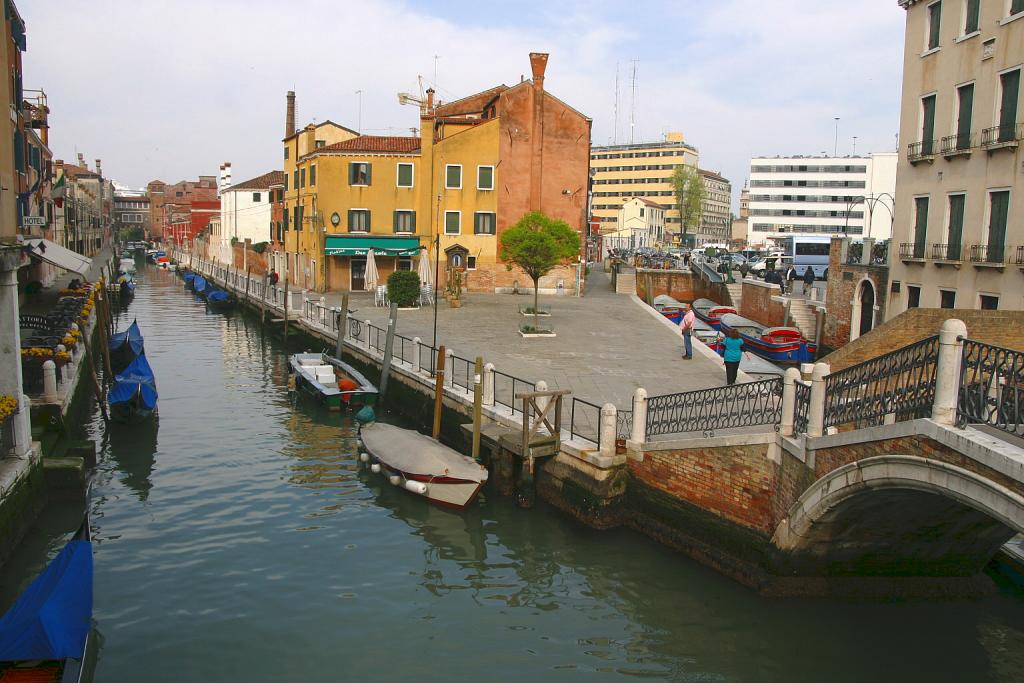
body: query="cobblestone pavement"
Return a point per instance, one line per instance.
(607, 344)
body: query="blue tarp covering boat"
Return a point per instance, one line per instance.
(218, 295)
(190, 278)
(133, 395)
(219, 300)
(125, 347)
(199, 284)
(53, 616)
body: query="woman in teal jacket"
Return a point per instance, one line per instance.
(733, 353)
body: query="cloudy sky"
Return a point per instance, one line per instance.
(172, 90)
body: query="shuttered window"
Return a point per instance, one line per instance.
(999, 212)
(934, 24)
(405, 221)
(359, 173)
(965, 95)
(920, 226)
(359, 220)
(1010, 82)
(453, 177)
(452, 222)
(971, 22)
(483, 223)
(404, 175)
(956, 226)
(928, 125)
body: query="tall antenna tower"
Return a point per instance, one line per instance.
(632, 105)
(615, 108)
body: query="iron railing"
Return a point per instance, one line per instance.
(900, 384)
(912, 250)
(916, 151)
(6, 436)
(956, 144)
(623, 423)
(1001, 135)
(988, 253)
(585, 420)
(855, 253)
(946, 252)
(991, 387)
(802, 407)
(506, 387)
(706, 410)
(461, 372)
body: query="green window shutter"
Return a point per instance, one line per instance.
(956, 226)
(934, 24)
(997, 225)
(964, 119)
(351, 176)
(405, 175)
(1016, 6)
(973, 12)
(1008, 110)
(284, 215)
(312, 175)
(921, 226)
(351, 220)
(412, 216)
(285, 182)
(485, 178)
(928, 126)
(369, 173)
(395, 222)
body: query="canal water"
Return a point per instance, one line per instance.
(243, 542)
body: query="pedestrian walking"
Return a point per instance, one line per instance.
(686, 325)
(273, 278)
(808, 280)
(744, 269)
(733, 344)
(791, 275)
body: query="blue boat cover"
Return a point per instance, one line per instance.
(52, 618)
(217, 296)
(189, 277)
(199, 284)
(136, 376)
(131, 336)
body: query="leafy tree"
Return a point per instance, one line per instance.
(537, 244)
(404, 288)
(690, 194)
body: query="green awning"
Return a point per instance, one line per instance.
(344, 245)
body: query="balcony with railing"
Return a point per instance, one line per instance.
(988, 255)
(954, 145)
(951, 253)
(921, 151)
(912, 251)
(998, 137)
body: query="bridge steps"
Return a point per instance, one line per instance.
(625, 282)
(803, 317)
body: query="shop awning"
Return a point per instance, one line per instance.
(56, 255)
(343, 245)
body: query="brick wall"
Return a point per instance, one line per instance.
(256, 263)
(844, 286)
(1001, 328)
(757, 304)
(735, 483)
(678, 285)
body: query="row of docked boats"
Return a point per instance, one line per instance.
(777, 344)
(216, 299)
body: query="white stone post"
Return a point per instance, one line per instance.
(449, 371)
(606, 430)
(816, 411)
(62, 371)
(488, 396)
(542, 402)
(947, 371)
(867, 251)
(50, 381)
(789, 381)
(10, 349)
(416, 342)
(639, 432)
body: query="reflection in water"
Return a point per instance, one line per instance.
(132, 448)
(246, 543)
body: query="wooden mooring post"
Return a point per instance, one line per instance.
(534, 444)
(438, 392)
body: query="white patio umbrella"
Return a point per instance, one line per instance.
(371, 272)
(426, 269)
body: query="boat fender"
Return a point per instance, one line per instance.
(416, 487)
(365, 415)
(364, 457)
(375, 467)
(395, 480)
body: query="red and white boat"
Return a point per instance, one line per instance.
(710, 312)
(421, 465)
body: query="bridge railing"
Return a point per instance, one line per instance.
(991, 390)
(896, 386)
(748, 404)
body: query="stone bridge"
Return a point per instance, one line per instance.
(890, 470)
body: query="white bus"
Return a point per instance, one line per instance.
(807, 251)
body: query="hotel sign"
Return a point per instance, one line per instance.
(33, 221)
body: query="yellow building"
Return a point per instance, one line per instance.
(475, 169)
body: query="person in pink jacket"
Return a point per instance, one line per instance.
(686, 325)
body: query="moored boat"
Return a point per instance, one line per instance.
(710, 312)
(199, 285)
(133, 395)
(125, 347)
(332, 382)
(777, 344)
(126, 265)
(47, 634)
(219, 301)
(189, 278)
(669, 307)
(421, 465)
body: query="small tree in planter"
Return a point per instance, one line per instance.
(537, 244)
(404, 288)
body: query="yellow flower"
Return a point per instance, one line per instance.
(8, 405)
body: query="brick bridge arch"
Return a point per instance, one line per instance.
(898, 515)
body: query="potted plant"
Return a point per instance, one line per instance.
(453, 287)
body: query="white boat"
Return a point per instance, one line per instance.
(126, 265)
(421, 465)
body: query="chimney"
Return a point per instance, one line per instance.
(289, 118)
(538, 63)
(227, 174)
(430, 100)
(81, 161)
(99, 168)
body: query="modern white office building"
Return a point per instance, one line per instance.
(821, 196)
